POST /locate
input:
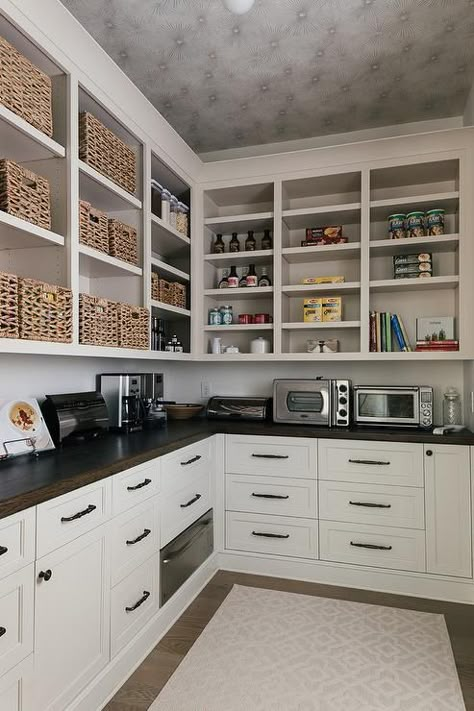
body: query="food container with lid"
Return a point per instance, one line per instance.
(260, 345)
(396, 226)
(226, 315)
(215, 317)
(435, 222)
(416, 224)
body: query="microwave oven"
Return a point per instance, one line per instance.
(312, 401)
(393, 406)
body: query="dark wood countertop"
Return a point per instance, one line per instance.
(27, 481)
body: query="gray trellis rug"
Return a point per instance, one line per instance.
(274, 651)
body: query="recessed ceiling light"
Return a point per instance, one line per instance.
(238, 7)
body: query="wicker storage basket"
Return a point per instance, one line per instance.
(24, 194)
(134, 326)
(123, 241)
(172, 293)
(98, 321)
(25, 89)
(155, 286)
(93, 227)
(9, 314)
(100, 148)
(45, 311)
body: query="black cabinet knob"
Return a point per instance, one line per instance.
(429, 452)
(45, 575)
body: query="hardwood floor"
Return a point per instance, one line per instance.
(144, 685)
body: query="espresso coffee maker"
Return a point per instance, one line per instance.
(133, 399)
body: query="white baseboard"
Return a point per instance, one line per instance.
(115, 674)
(396, 582)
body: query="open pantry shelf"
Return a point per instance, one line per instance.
(240, 223)
(388, 285)
(308, 289)
(240, 327)
(20, 234)
(168, 270)
(96, 264)
(242, 294)
(166, 311)
(387, 247)
(294, 255)
(229, 259)
(301, 326)
(21, 141)
(448, 201)
(104, 193)
(299, 218)
(167, 241)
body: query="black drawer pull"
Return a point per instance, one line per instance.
(369, 461)
(139, 602)
(145, 533)
(143, 483)
(269, 496)
(371, 546)
(191, 501)
(3, 630)
(192, 460)
(45, 575)
(270, 535)
(3, 550)
(370, 505)
(271, 456)
(80, 514)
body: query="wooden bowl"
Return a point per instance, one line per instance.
(183, 411)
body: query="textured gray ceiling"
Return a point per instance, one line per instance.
(289, 68)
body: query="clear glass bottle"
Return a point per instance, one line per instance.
(452, 413)
(264, 278)
(224, 282)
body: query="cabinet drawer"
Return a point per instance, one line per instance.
(182, 508)
(184, 465)
(16, 617)
(278, 456)
(67, 517)
(372, 503)
(278, 535)
(396, 463)
(16, 688)
(135, 537)
(135, 485)
(378, 546)
(134, 602)
(271, 495)
(17, 541)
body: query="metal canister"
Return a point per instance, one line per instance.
(396, 226)
(215, 317)
(416, 224)
(227, 315)
(435, 222)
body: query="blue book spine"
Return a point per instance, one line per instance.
(398, 333)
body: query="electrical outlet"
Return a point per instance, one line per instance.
(205, 389)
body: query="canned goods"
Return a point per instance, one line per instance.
(435, 222)
(415, 224)
(227, 315)
(245, 318)
(396, 226)
(215, 317)
(262, 318)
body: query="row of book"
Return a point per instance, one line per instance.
(387, 332)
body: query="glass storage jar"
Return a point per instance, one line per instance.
(452, 414)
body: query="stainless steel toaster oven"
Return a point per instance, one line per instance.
(393, 406)
(312, 401)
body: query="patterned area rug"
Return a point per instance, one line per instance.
(274, 651)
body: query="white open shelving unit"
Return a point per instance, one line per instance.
(360, 198)
(56, 255)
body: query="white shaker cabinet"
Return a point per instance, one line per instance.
(448, 510)
(72, 619)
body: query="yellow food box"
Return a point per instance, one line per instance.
(332, 308)
(312, 310)
(323, 280)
